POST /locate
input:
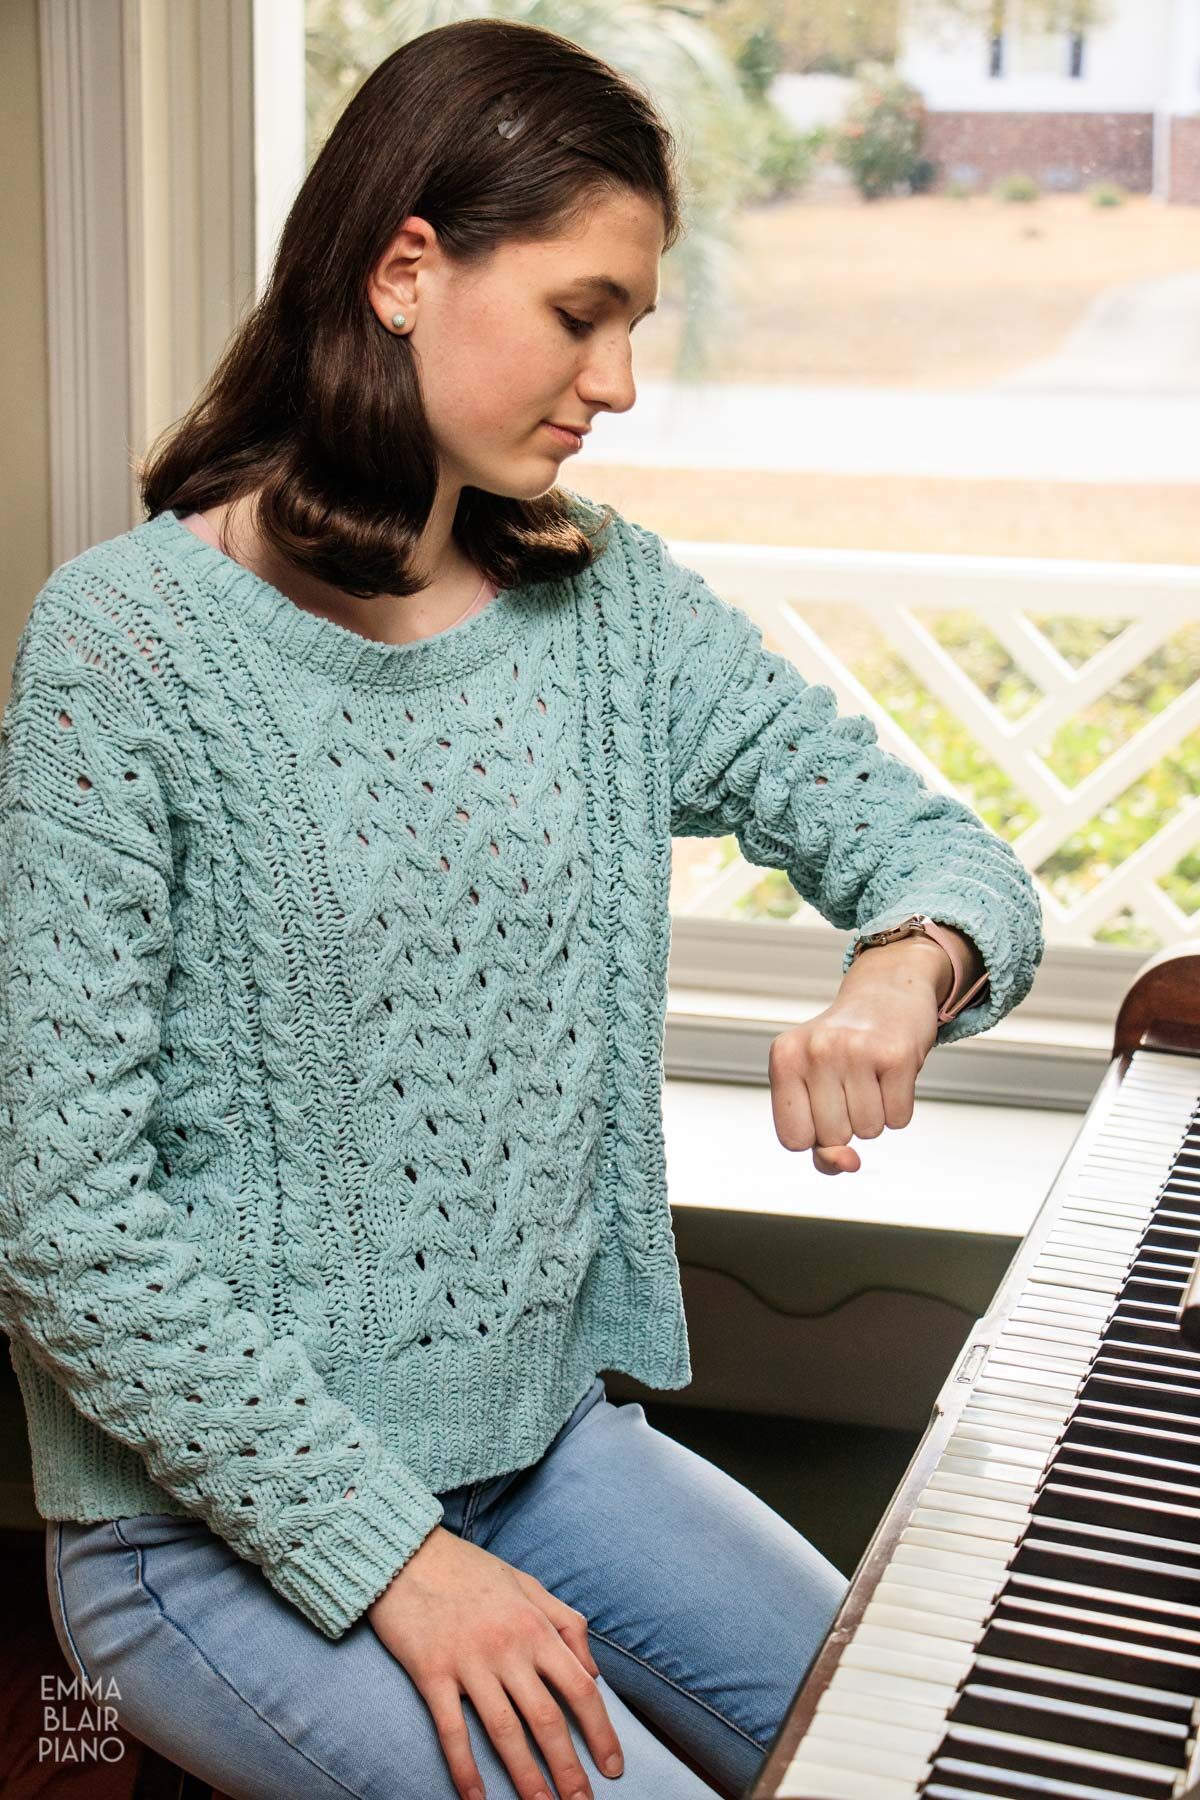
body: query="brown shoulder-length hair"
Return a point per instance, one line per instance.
(314, 404)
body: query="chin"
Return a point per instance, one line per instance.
(531, 486)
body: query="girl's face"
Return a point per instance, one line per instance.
(523, 339)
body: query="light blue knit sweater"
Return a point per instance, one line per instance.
(334, 977)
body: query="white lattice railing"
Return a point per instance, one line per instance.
(885, 592)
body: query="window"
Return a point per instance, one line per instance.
(929, 493)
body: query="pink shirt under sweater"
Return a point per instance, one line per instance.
(488, 590)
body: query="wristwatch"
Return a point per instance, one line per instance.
(956, 999)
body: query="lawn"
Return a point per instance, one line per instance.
(900, 512)
(921, 291)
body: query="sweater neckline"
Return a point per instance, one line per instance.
(321, 643)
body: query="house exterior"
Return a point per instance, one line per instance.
(1118, 102)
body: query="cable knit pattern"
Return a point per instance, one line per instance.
(334, 979)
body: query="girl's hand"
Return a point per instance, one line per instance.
(462, 1621)
(853, 1069)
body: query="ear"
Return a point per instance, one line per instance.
(394, 283)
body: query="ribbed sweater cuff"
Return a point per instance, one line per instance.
(346, 1563)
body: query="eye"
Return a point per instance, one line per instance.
(576, 327)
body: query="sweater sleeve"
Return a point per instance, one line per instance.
(757, 751)
(96, 1278)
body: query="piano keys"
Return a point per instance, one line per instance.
(1026, 1620)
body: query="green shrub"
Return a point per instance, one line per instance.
(1107, 193)
(1017, 188)
(959, 190)
(781, 156)
(879, 140)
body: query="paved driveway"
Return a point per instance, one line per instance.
(1118, 402)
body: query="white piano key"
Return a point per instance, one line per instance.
(846, 1705)
(1103, 1240)
(1026, 1446)
(925, 1624)
(1011, 1347)
(1052, 1328)
(885, 1657)
(976, 1500)
(1003, 1388)
(955, 1476)
(942, 1564)
(966, 1445)
(874, 1688)
(1088, 1278)
(971, 1525)
(1053, 1285)
(807, 1779)
(875, 1749)
(939, 1653)
(958, 1596)
(1006, 1413)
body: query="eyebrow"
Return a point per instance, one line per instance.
(604, 284)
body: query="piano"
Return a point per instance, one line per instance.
(1026, 1618)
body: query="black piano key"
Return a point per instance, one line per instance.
(1092, 1653)
(1010, 1754)
(1168, 1353)
(1014, 1784)
(1147, 1287)
(1110, 1361)
(940, 1791)
(1063, 1500)
(1097, 1593)
(1164, 1236)
(1148, 1477)
(1089, 1726)
(1094, 1462)
(1095, 1407)
(1150, 1579)
(1181, 1443)
(1127, 1390)
(1130, 1627)
(1122, 1542)
(1128, 1696)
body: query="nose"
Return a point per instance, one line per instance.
(607, 381)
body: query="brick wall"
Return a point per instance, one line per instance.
(1060, 150)
(1184, 180)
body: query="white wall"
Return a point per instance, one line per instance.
(1127, 64)
(808, 100)
(1184, 92)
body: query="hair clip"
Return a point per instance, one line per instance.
(508, 128)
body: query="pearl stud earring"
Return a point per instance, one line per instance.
(398, 320)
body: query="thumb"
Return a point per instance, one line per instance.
(836, 1159)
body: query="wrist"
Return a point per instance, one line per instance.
(914, 960)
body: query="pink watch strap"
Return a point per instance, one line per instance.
(956, 999)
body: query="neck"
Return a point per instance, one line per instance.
(393, 618)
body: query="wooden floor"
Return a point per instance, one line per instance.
(831, 1482)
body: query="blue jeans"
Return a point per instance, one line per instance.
(705, 1608)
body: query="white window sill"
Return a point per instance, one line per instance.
(1030, 1060)
(953, 1167)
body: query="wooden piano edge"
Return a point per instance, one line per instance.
(1160, 1011)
